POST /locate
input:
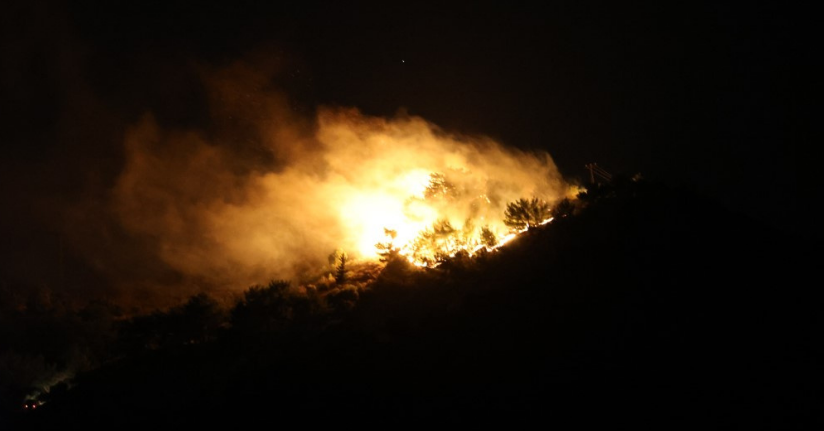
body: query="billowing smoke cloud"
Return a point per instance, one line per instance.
(266, 194)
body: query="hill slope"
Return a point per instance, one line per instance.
(649, 307)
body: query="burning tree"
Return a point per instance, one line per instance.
(526, 213)
(456, 211)
(387, 250)
(440, 187)
(436, 243)
(488, 237)
(442, 240)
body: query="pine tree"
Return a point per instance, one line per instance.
(524, 214)
(340, 269)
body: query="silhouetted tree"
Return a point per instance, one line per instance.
(198, 320)
(524, 214)
(563, 209)
(342, 299)
(143, 332)
(387, 250)
(201, 317)
(460, 261)
(436, 243)
(263, 308)
(340, 269)
(488, 237)
(274, 308)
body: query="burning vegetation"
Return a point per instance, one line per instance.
(265, 195)
(223, 212)
(483, 228)
(389, 332)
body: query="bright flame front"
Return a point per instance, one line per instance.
(427, 219)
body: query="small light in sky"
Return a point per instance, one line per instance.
(403, 61)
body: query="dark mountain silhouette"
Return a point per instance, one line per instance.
(643, 306)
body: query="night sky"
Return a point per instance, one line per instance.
(714, 98)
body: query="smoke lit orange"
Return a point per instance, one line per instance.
(337, 181)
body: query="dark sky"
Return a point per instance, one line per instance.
(714, 97)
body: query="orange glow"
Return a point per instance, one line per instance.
(332, 182)
(422, 230)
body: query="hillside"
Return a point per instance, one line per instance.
(647, 307)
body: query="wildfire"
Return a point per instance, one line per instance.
(419, 226)
(369, 212)
(340, 181)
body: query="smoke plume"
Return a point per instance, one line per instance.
(264, 193)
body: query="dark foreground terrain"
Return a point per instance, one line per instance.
(647, 308)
